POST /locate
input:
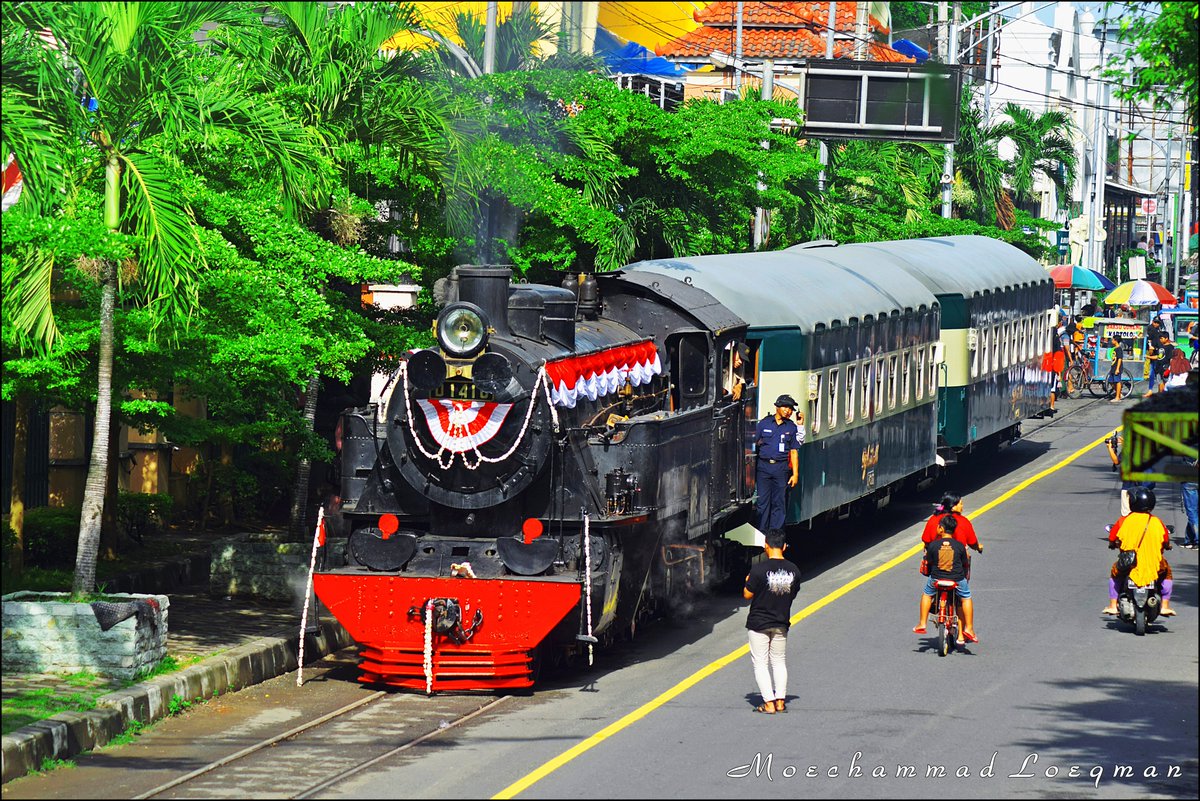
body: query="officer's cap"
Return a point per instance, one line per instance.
(785, 400)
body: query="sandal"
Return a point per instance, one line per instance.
(766, 707)
(780, 705)
(918, 630)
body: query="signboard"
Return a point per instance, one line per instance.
(876, 100)
(1149, 205)
(1063, 245)
(1137, 267)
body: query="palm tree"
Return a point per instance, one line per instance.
(358, 98)
(1043, 143)
(137, 60)
(520, 38)
(979, 170)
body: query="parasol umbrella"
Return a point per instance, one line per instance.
(1071, 276)
(1107, 282)
(1140, 293)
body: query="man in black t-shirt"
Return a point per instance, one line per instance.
(947, 560)
(771, 586)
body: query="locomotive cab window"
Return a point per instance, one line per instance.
(689, 370)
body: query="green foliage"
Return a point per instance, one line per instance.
(1162, 62)
(133, 730)
(30, 706)
(49, 764)
(50, 536)
(140, 513)
(178, 705)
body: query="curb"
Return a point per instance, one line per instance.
(68, 734)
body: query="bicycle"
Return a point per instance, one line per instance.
(1104, 388)
(1079, 374)
(946, 611)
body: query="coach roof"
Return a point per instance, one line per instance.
(800, 287)
(962, 265)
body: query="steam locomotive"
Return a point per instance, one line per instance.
(571, 457)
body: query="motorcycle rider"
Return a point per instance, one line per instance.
(1141, 531)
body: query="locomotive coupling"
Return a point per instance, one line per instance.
(447, 618)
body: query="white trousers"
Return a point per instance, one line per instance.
(768, 656)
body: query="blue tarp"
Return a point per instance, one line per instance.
(632, 58)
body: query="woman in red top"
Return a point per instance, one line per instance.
(965, 533)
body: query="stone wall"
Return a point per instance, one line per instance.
(45, 634)
(265, 566)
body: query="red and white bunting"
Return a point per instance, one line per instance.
(460, 426)
(12, 182)
(599, 374)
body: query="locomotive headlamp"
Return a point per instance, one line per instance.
(462, 330)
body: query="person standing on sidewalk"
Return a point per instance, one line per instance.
(771, 586)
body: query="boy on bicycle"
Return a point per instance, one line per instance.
(947, 560)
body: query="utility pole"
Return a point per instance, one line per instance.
(862, 28)
(1099, 159)
(948, 164)
(760, 213)
(489, 39)
(823, 151)
(737, 48)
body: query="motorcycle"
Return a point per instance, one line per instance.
(1139, 605)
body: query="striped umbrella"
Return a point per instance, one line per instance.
(1107, 282)
(1140, 293)
(1071, 276)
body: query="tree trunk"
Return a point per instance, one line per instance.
(97, 477)
(93, 488)
(304, 468)
(16, 506)
(110, 529)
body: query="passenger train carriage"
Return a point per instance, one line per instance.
(571, 457)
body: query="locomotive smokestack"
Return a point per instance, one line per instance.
(487, 288)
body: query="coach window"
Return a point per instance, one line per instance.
(920, 373)
(1004, 332)
(933, 370)
(879, 367)
(904, 387)
(815, 403)
(865, 374)
(851, 385)
(975, 354)
(832, 395)
(891, 383)
(979, 365)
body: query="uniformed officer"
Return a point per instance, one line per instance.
(777, 438)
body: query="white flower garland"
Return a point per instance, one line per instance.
(542, 382)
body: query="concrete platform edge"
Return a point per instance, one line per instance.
(68, 734)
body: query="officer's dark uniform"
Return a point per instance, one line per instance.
(775, 443)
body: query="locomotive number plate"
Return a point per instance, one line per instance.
(461, 390)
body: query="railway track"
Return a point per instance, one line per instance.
(304, 755)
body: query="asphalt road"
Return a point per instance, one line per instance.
(1052, 690)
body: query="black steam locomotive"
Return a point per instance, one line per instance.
(570, 456)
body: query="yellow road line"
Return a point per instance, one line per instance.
(645, 709)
